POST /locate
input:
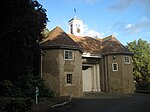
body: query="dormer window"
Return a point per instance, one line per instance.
(68, 55)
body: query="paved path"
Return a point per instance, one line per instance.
(135, 103)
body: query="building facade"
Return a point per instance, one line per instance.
(73, 64)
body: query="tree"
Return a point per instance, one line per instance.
(22, 22)
(45, 32)
(141, 62)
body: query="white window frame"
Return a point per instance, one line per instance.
(127, 61)
(69, 79)
(113, 67)
(69, 57)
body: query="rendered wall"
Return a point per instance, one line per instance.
(50, 69)
(73, 67)
(55, 69)
(120, 81)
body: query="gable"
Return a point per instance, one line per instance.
(57, 38)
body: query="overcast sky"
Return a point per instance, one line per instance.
(127, 20)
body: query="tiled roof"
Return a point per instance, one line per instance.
(112, 45)
(102, 46)
(92, 45)
(88, 44)
(58, 37)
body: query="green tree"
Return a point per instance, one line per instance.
(141, 62)
(22, 22)
(45, 32)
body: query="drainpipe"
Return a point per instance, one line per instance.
(41, 64)
(106, 73)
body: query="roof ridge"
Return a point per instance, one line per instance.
(58, 36)
(107, 38)
(51, 33)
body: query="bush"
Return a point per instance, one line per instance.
(24, 86)
(6, 88)
(144, 85)
(44, 91)
(19, 105)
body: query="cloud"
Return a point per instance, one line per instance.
(132, 28)
(144, 5)
(143, 24)
(83, 1)
(148, 33)
(92, 33)
(89, 1)
(121, 5)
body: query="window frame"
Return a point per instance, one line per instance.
(69, 79)
(113, 67)
(67, 55)
(125, 60)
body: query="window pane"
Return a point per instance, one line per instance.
(68, 54)
(115, 67)
(127, 60)
(69, 78)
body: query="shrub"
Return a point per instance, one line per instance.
(44, 91)
(6, 88)
(19, 105)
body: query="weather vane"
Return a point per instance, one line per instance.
(75, 12)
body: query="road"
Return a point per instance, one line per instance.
(134, 103)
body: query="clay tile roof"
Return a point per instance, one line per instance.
(101, 46)
(58, 37)
(111, 44)
(88, 44)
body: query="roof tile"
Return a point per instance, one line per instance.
(93, 45)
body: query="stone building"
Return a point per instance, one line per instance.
(73, 63)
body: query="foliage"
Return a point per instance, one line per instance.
(45, 32)
(19, 105)
(141, 62)
(6, 88)
(44, 91)
(25, 85)
(22, 22)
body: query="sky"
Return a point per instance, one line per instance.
(127, 20)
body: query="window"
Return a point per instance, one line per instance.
(71, 28)
(115, 66)
(127, 60)
(69, 78)
(68, 55)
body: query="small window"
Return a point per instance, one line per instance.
(68, 55)
(71, 28)
(127, 60)
(115, 66)
(69, 78)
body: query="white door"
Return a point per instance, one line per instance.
(87, 79)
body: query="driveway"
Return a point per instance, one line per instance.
(135, 103)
